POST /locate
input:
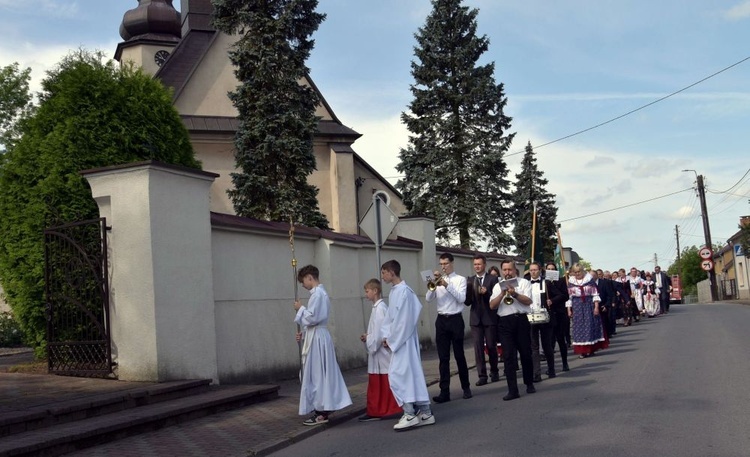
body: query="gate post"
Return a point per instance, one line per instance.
(161, 280)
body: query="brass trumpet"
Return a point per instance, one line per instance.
(508, 298)
(433, 283)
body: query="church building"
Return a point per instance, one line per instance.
(188, 55)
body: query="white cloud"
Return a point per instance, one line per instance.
(50, 8)
(41, 58)
(738, 12)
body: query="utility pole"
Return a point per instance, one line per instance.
(656, 260)
(707, 233)
(679, 262)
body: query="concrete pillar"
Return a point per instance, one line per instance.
(162, 300)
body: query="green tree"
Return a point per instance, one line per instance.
(91, 114)
(689, 269)
(453, 166)
(530, 189)
(15, 102)
(274, 143)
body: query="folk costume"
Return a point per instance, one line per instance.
(650, 298)
(380, 400)
(323, 388)
(588, 335)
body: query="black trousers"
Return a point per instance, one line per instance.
(543, 332)
(515, 336)
(449, 332)
(485, 334)
(561, 325)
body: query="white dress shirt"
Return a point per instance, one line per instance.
(450, 298)
(524, 288)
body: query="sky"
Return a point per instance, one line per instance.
(654, 88)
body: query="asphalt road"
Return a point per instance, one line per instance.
(673, 386)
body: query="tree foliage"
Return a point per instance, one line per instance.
(689, 269)
(744, 239)
(274, 143)
(453, 166)
(530, 189)
(91, 114)
(15, 102)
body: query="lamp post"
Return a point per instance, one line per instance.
(706, 231)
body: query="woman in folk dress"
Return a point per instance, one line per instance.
(583, 308)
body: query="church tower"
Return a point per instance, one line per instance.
(151, 31)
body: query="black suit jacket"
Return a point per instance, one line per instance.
(557, 292)
(606, 291)
(666, 282)
(480, 313)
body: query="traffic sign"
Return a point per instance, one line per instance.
(707, 265)
(706, 253)
(379, 221)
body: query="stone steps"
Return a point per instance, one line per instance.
(67, 426)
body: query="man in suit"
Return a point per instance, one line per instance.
(557, 295)
(482, 319)
(541, 332)
(606, 306)
(664, 286)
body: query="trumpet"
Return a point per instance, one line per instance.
(508, 298)
(433, 283)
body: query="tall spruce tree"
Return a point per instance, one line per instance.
(530, 188)
(454, 163)
(274, 142)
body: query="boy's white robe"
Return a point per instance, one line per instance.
(378, 356)
(323, 387)
(400, 331)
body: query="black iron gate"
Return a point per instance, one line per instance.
(77, 294)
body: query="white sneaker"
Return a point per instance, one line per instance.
(407, 421)
(426, 419)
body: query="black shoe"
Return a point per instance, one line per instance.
(530, 389)
(367, 418)
(442, 398)
(511, 396)
(538, 378)
(551, 375)
(566, 367)
(467, 394)
(495, 378)
(481, 382)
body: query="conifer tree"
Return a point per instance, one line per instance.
(274, 142)
(454, 163)
(530, 188)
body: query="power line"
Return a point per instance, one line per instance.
(625, 206)
(633, 111)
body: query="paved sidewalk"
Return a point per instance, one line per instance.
(259, 429)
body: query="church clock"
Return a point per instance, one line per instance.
(160, 57)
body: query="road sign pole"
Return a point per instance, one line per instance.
(379, 236)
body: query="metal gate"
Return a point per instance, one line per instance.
(77, 295)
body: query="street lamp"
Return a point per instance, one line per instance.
(706, 230)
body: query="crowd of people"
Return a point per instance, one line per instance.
(511, 319)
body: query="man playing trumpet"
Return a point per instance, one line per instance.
(450, 293)
(514, 331)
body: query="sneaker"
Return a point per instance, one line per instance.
(316, 419)
(407, 421)
(426, 419)
(367, 418)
